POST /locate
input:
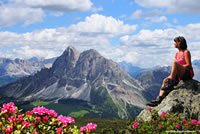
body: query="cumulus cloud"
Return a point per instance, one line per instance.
(145, 48)
(99, 24)
(61, 5)
(172, 5)
(83, 35)
(153, 15)
(27, 12)
(24, 15)
(156, 47)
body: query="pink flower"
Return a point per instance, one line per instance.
(9, 130)
(20, 118)
(194, 122)
(66, 120)
(59, 130)
(160, 126)
(9, 107)
(45, 119)
(12, 119)
(29, 113)
(135, 124)
(38, 119)
(184, 121)
(198, 123)
(149, 109)
(163, 114)
(177, 126)
(83, 129)
(89, 127)
(40, 110)
(52, 113)
(26, 124)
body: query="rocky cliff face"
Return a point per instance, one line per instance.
(18, 67)
(88, 77)
(184, 99)
(151, 81)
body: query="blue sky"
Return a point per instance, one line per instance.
(140, 32)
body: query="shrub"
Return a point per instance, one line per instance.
(37, 121)
(165, 123)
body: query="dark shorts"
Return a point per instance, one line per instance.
(188, 74)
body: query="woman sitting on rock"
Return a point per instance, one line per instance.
(181, 70)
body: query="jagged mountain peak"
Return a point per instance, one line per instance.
(66, 62)
(89, 77)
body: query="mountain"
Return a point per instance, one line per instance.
(131, 69)
(86, 78)
(184, 100)
(151, 80)
(11, 70)
(47, 62)
(196, 67)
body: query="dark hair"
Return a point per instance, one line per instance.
(183, 43)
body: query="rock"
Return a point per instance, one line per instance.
(184, 99)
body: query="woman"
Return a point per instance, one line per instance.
(181, 70)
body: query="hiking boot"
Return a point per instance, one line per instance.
(155, 102)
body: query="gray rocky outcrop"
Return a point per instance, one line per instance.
(184, 99)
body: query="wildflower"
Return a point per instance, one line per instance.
(135, 124)
(160, 126)
(26, 124)
(39, 110)
(149, 109)
(9, 130)
(38, 119)
(29, 113)
(184, 121)
(45, 119)
(12, 119)
(163, 114)
(9, 107)
(59, 130)
(177, 126)
(89, 127)
(20, 117)
(66, 120)
(194, 122)
(52, 113)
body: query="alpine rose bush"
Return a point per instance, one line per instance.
(164, 123)
(40, 120)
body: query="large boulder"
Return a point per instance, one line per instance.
(184, 99)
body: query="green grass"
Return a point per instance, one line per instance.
(114, 125)
(40, 103)
(80, 113)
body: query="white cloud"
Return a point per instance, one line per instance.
(172, 5)
(61, 5)
(146, 48)
(28, 52)
(27, 12)
(156, 47)
(153, 15)
(99, 24)
(83, 35)
(24, 15)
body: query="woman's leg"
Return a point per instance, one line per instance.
(162, 91)
(177, 70)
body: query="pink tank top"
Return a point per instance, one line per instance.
(181, 60)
